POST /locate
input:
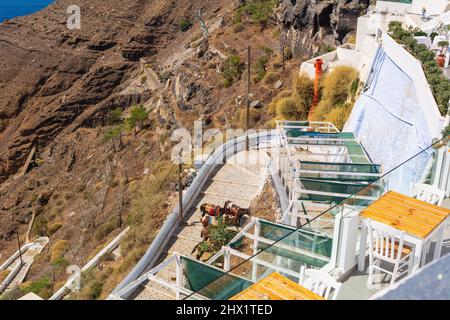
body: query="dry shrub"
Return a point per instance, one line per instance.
(337, 85)
(272, 107)
(297, 105)
(58, 250)
(271, 78)
(322, 110)
(3, 275)
(338, 116)
(54, 227)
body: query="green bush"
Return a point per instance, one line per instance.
(446, 131)
(95, 290)
(42, 287)
(185, 24)
(272, 107)
(259, 68)
(339, 115)
(220, 235)
(231, 70)
(138, 116)
(58, 250)
(259, 11)
(440, 85)
(112, 134)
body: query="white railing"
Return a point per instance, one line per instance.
(77, 276)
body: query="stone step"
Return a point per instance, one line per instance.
(232, 191)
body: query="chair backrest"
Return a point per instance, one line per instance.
(319, 282)
(428, 194)
(385, 242)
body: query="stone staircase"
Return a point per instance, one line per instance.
(239, 183)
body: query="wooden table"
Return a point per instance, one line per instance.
(276, 287)
(421, 222)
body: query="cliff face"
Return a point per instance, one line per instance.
(52, 75)
(313, 23)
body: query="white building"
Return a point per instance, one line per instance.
(371, 27)
(396, 115)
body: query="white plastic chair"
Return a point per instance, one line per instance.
(387, 244)
(319, 282)
(428, 194)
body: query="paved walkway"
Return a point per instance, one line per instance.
(28, 259)
(239, 183)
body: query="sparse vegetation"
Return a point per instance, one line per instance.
(53, 228)
(238, 27)
(105, 229)
(271, 78)
(40, 226)
(150, 201)
(288, 54)
(259, 11)
(43, 287)
(58, 250)
(255, 117)
(3, 275)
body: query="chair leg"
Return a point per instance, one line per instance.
(394, 274)
(369, 279)
(411, 263)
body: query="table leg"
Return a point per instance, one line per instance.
(439, 240)
(362, 247)
(418, 256)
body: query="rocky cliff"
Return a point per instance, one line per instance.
(313, 23)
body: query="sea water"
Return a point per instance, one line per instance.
(14, 8)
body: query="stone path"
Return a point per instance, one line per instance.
(28, 259)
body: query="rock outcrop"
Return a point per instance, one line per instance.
(312, 23)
